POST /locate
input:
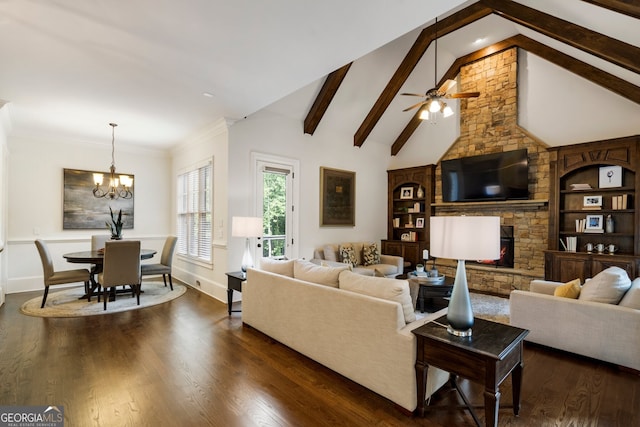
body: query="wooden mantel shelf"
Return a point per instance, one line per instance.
(516, 204)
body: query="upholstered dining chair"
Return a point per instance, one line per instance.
(166, 260)
(52, 277)
(97, 243)
(121, 266)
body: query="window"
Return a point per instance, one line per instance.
(195, 207)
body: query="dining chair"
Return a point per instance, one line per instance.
(97, 243)
(52, 277)
(166, 260)
(121, 266)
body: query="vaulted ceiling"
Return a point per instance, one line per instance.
(616, 52)
(68, 68)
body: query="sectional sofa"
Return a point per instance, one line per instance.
(356, 325)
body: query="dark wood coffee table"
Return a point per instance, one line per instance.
(487, 357)
(432, 296)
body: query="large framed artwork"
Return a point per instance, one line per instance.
(337, 198)
(81, 210)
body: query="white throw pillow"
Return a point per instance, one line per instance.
(631, 299)
(608, 286)
(380, 287)
(283, 267)
(310, 272)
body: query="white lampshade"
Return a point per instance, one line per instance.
(465, 237)
(246, 226)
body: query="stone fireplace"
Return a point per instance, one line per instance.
(488, 124)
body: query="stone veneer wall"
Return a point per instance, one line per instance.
(488, 124)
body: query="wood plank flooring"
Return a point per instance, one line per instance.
(187, 363)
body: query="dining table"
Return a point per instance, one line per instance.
(97, 259)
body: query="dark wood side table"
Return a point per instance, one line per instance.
(487, 357)
(234, 283)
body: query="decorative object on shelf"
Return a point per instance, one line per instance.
(337, 197)
(115, 225)
(420, 192)
(576, 187)
(592, 202)
(464, 238)
(406, 193)
(594, 224)
(600, 248)
(612, 249)
(609, 225)
(247, 227)
(420, 268)
(419, 222)
(610, 176)
(589, 247)
(118, 187)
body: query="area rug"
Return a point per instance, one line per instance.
(65, 303)
(490, 307)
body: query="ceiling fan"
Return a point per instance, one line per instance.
(433, 98)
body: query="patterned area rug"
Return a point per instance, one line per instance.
(489, 307)
(65, 303)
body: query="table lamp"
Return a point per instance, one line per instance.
(246, 226)
(463, 238)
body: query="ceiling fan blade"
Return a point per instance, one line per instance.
(447, 86)
(463, 95)
(413, 94)
(415, 106)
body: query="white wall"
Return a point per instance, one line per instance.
(271, 133)
(210, 142)
(4, 174)
(36, 201)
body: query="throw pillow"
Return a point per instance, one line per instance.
(330, 253)
(380, 287)
(378, 273)
(348, 254)
(283, 267)
(310, 272)
(568, 290)
(631, 299)
(370, 254)
(608, 286)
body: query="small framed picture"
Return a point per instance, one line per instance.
(406, 193)
(594, 222)
(592, 201)
(610, 176)
(419, 222)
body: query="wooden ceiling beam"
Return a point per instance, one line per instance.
(615, 51)
(582, 69)
(630, 8)
(447, 25)
(325, 96)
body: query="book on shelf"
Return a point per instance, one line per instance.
(396, 222)
(580, 225)
(594, 230)
(619, 202)
(592, 208)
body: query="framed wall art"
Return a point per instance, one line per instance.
(406, 193)
(81, 210)
(337, 197)
(610, 176)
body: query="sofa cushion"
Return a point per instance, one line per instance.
(282, 267)
(568, 290)
(608, 286)
(348, 254)
(310, 272)
(331, 253)
(631, 298)
(370, 254)
(380, 287)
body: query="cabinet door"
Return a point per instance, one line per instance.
(391, 247)
(602, 263)
(561, 267)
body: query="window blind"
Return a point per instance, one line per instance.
(195, 207)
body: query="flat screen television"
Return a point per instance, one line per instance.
(496, 176)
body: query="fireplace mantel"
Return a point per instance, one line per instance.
(478, 206)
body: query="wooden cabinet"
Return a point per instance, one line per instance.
(587, 184)
(410, 193)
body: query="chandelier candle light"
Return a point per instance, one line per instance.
(246, 226)
(463, 238)
(118, 187)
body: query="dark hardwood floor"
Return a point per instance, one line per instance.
(186, 363)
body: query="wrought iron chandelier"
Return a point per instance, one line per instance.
(118, 187)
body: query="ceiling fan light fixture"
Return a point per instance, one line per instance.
(447, 111)
(424, 114)
(435, 105)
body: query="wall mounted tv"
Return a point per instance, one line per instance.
(496, 176)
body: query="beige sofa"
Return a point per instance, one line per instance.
(362, 337)
(389, 266)
(603, 331)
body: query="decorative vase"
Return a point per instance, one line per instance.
(420, 192)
